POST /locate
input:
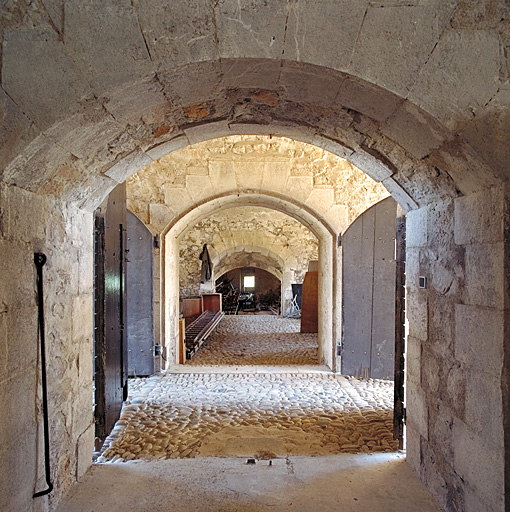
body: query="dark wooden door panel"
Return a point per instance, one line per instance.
(109, 315)
(400, 256)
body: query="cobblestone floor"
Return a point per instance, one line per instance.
(257, 340)
(255, 415)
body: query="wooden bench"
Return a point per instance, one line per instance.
(198, 331)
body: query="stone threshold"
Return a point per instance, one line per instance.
(251, 369)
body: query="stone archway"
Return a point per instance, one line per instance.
(254, 257)
(240, 257)
(328, 300)
(82, 114)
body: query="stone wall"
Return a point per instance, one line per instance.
(28, 224)
(241, 229)
(455, 350)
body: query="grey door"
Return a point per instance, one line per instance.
(139, 332)
(368, 249)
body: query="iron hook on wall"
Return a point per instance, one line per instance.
(40, 260)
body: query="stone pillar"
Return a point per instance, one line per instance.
(171, 298)
(326, 301)
(455, 412)
(286, 292)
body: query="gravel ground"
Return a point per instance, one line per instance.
(258, 415)
(257, 340)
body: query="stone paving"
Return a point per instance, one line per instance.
(256, 415)
(257, 340)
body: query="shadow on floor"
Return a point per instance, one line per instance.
(361, 483)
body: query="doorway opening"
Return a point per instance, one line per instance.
(188, 233)
(249, 290)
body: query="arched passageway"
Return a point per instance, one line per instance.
(250, 236)
(415, 95)
(327, 262)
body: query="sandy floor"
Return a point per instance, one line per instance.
(257, 340)
(380, 482)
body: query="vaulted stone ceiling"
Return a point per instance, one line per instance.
(254, 231)
(92, 91)
(322, 181)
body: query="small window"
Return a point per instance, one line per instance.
(249, 282)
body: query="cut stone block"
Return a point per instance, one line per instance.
(487, 132)
(177, 32)
(130, 164)
(487, 475)
(40, 76)
(306, 19)
(320, 198)
(253, 28)
(193, 85)
(112, 50)
(479, 330)
(160, 150)
(400, 195)
(160, 215)
(298, 82)
(484, 406)
(396, 32)
(485, 283)
(256, 74)
(417, 410)
(134, 100)
(456, 70)
(367, 98)
(479, 217)
(416, 228)
(417, 130)
(16, 130)
(84, 448)
(248, 176)
(84, 134)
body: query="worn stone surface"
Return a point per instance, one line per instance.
(257, 340)
(457, 60)
(253, 28)
(306, 20)
(18, 130)
(47, 93)
(428, 53)
(453, 398)
(37, 224)
(164, 35)
(292, 484)
(412, 30)
(485, 131)
(260, 415)
(114, 40)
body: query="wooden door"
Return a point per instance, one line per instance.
(368, 287)
(400, 256)
(310, 303)
(110, 350)
(139, 286)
